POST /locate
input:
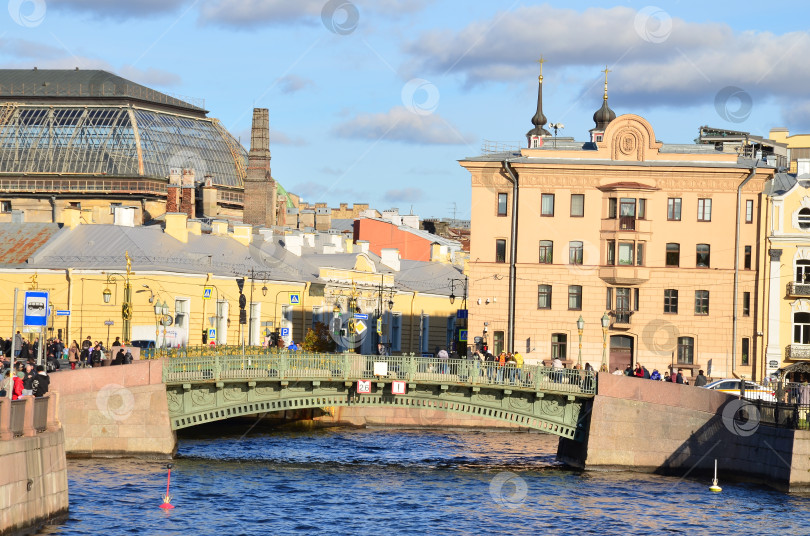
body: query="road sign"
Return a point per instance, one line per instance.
(461, 313)
(379, 326)
(295, 299)
(363, 387)
(109, 323)
(32, 329)
(380, 368)
(35, 308)
(359, 327)
(212, 334)
(285, 332)
(62, 312)
(208, 292)
(398, 388)
(361, 316)
(462, 335)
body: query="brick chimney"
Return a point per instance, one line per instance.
(260, 188)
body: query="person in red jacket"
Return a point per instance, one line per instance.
(14, 383)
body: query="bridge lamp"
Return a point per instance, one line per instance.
(580, 328)
(158, 307)
(106, 294)
(605, 324)
(165, 309)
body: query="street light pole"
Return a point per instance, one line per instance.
(580, 328)
(605, 324)
(126, 307)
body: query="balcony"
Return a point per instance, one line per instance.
(624, 276)
(798, 289)
(798, 352)
(626, 224)
(621, 318)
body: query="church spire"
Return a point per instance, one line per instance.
(603, 115)
(538, 120)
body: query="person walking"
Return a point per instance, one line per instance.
(73, 355)
(701, 380)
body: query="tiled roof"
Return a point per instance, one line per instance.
(19, 241)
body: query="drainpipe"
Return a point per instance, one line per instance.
(737, 272)
(53, 208)
(69, 274)
(510, 325)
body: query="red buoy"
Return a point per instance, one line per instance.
(167, 498)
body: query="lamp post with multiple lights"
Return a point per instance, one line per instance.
(126, 307)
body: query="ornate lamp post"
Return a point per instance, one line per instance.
(605, 324)
(126, 307)
(452, 291)
(580, 327)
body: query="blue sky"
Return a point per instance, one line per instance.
(375, 101)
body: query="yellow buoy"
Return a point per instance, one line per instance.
(714, 487)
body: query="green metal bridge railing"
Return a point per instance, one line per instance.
(194, 366)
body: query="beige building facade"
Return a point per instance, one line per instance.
(623, 226)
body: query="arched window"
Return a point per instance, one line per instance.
(804, 218)
(801, 328)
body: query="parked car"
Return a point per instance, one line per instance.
(753, 391)
(143, 344)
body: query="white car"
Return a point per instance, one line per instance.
(753, 391)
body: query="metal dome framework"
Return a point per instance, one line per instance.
(116, 141)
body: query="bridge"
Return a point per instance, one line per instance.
(208, 388)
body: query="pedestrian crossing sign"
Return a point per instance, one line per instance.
(212, 334)
(207, 291)
(295, 299)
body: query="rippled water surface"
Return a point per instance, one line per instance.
(350, 481)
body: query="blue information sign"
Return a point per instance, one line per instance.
(62, 312)
(461, 313)
(361, 316)
(35, 312)
(285, 332)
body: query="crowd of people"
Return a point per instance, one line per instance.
(674, 375)
(30, 379)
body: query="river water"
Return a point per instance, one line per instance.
(392, 481)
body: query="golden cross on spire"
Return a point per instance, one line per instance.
(606, 71)
(541, 61)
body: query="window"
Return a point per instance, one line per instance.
(113, 207)
(424, 333)
(497, 342)
(746, 348)
(636, 298)
(803, 271)
(547, 205)
(686, 350)
(577, 205)
(546, 252)
(703, 256)
(222, 322)
(544, 296)
(612, 208)
(801, 328)
(502, 200)
(642, 209)
(749, 211)
(611, 252)
(575, 297)
(746, 304)
(627, 214)
(75, 204)
(747, 258)
(5, 206)
(575, 252)
(704, 210)
(640, 254)
(558, 343)
(626, 253)
(701, 302)
(609, 302)
(674, 209)
(317, 315)
(671, 301)
(500, 250)
(450, 336)
(673, 254)
(804, 218)
(622, 299)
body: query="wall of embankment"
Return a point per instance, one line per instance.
(33, 472)
(672, 429)
(115, 411)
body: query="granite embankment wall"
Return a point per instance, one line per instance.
(642, 425)
(115, 411)
(33, 472)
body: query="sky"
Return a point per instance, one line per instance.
(375, 101)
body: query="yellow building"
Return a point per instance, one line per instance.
(785, 311)
(292, 281)
(798, 146)
(623, 226)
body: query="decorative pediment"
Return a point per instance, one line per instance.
(364, 264)
(630, 137)
(800, 306)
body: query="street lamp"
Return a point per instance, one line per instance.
(605, 324)
(453, 289)
(126, 307)
(390, 304)
(580, 327)
(264, 290)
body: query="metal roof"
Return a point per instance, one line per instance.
(18, 241)
(19, 84)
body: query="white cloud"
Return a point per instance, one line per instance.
(116, 9)
(398, 124)
(405, 195)
(293, 83)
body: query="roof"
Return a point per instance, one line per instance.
(781, 183)
(420, 233)
(20, 84)
(18, 241)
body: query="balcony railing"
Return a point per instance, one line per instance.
(621, 316)
(627, 223)
(797, 352)
(798, 289)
